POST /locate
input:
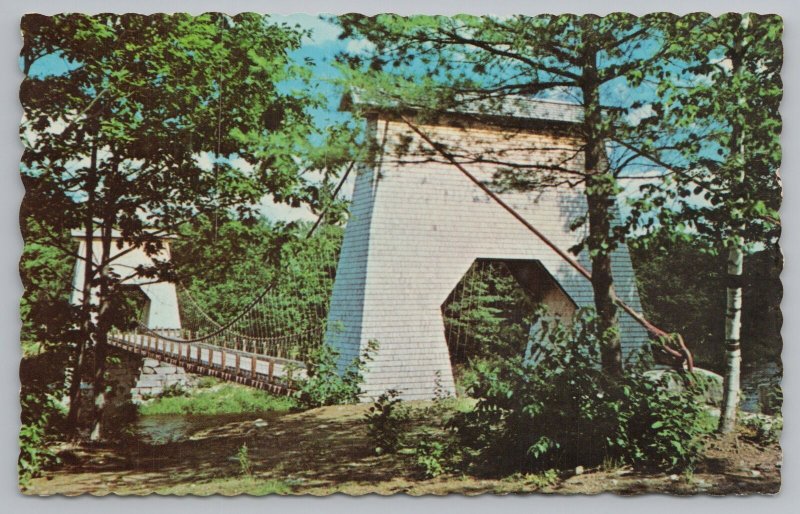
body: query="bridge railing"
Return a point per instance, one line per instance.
(274, 374)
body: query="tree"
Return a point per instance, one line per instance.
(156, 120)
(435, 63)
(678, 302)
(224, 266)
(727, 195)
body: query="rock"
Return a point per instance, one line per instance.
(754, 473)
(712, 381)
(579, 470)
(151, 363)
(260, 423)
(674, 478)
(702, 484)
(165, 369)
(147, 370)
(150, 381)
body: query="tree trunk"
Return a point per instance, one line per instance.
(101, 335)
(733, 325)
(603, 284)
(75, 400)
(99, 384)
(733, 290)
(600, 195)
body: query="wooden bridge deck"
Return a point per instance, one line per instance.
(272, 374)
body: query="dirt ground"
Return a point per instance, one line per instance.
(325, 451)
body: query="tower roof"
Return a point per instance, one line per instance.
(510, 108)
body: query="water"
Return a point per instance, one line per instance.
(169, 428)
(765, 374)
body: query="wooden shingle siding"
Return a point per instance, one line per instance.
(416, 226)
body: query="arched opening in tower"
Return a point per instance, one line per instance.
(496, 308)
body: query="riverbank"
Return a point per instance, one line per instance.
(327, 450)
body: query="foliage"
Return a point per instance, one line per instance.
(492, 318)
(658, 426)
(243, 458)
(206, 382)
(42, 377)
(559, 410)
(387, 420)
(226, 262)
(727, 98)
(47, 278)
(36, 436)
(766, 430)
(325, 384)
(543, 479)
(773, 402)
(172, 391)
(222, 399)
(432, 456)
(674, 299)
(152, 121)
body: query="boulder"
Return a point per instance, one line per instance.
(675, 382)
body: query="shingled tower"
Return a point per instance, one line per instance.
(417, 224)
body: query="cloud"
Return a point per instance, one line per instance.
(360, 46)
(283, 212)
(242, 164)
(635, 116)
(321, 31)
(203, 161)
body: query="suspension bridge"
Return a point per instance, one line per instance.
(424, 223)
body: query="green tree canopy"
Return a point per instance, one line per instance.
(158, 119)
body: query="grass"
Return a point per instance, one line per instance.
(223, 398)
(229, 486)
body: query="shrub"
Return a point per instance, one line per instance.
(324, 385)
(430, 458)
(557, 409)
(435, 452)
(660, 427)
(34, 440)
(387, 421)
(243, 458)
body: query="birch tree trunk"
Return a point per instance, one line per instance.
(733, 326)
(733, 309)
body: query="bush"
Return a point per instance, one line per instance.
(660, 427)
(324, 385)
(35, 454)
(557, 409)
(430, 457)
(387, 421)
